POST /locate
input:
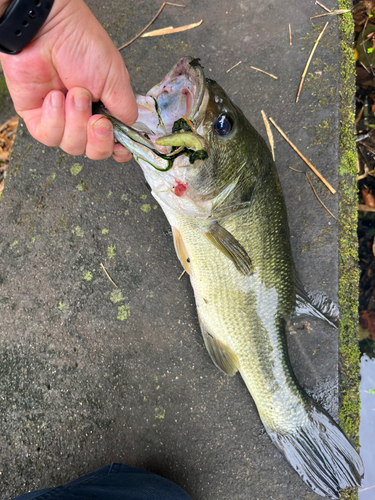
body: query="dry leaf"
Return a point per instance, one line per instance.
(368, 198)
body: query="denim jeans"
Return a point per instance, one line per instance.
(113, 482)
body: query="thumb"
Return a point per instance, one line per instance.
(117, 95)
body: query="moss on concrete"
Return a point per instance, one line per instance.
(123, 312)
(320, 82)
(116, 296)
(328, 40)
(324, 133)
(111, 252)
(75, 169)
(348, 246)
(322, 90)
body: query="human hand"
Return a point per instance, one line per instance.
(54, 80)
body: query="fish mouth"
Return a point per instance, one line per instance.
(179, 94)
(168, 118)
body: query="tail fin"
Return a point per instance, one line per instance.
(321, 454)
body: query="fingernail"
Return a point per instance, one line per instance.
(122, 154)
(102, 128)
(121, 159)
(57, 100)
(81, 101)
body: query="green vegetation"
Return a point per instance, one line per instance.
(348, 247)
(145, 208)
(111, 252)
(78, 231)
(123, 312)
(159, 413)
(87, 275)
(324, 133)
(75, 169)
(116, 296)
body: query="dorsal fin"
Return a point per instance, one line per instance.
(220, 354)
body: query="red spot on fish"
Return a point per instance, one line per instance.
(179, 188)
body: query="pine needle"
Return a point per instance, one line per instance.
(170, 30)
(322, 6)
(149, 24)
(318, 174)
(235, 66)
(332, 13)
(108, 276)
(265, 72)
(269, 133)
(309, 60)
(312, 187)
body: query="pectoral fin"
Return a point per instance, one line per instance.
(231, 248)
(220, 354)
(181, 250)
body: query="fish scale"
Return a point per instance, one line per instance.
(242, 311)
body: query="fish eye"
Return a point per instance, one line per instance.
(223, 125)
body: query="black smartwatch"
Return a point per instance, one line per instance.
(21, 22)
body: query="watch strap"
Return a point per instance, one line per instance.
(21, 22)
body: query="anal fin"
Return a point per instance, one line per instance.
(230, 247)
(220, 354)
(181, 250)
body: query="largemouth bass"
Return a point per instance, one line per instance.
(215, 180)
